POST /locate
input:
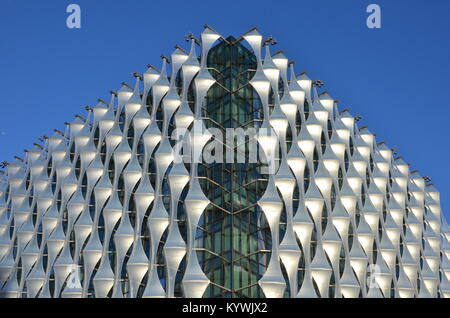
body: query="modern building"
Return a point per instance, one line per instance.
(128, 203)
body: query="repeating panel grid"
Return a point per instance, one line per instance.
(108, 209)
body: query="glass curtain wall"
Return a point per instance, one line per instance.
(233, 238)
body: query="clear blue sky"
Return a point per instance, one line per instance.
(396, 77)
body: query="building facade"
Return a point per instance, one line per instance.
(231, 177)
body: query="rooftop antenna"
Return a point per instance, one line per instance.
(190, 36)
(136, 74)
(270, 40)
(318, 83)
(165, 58)
(43, 138)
